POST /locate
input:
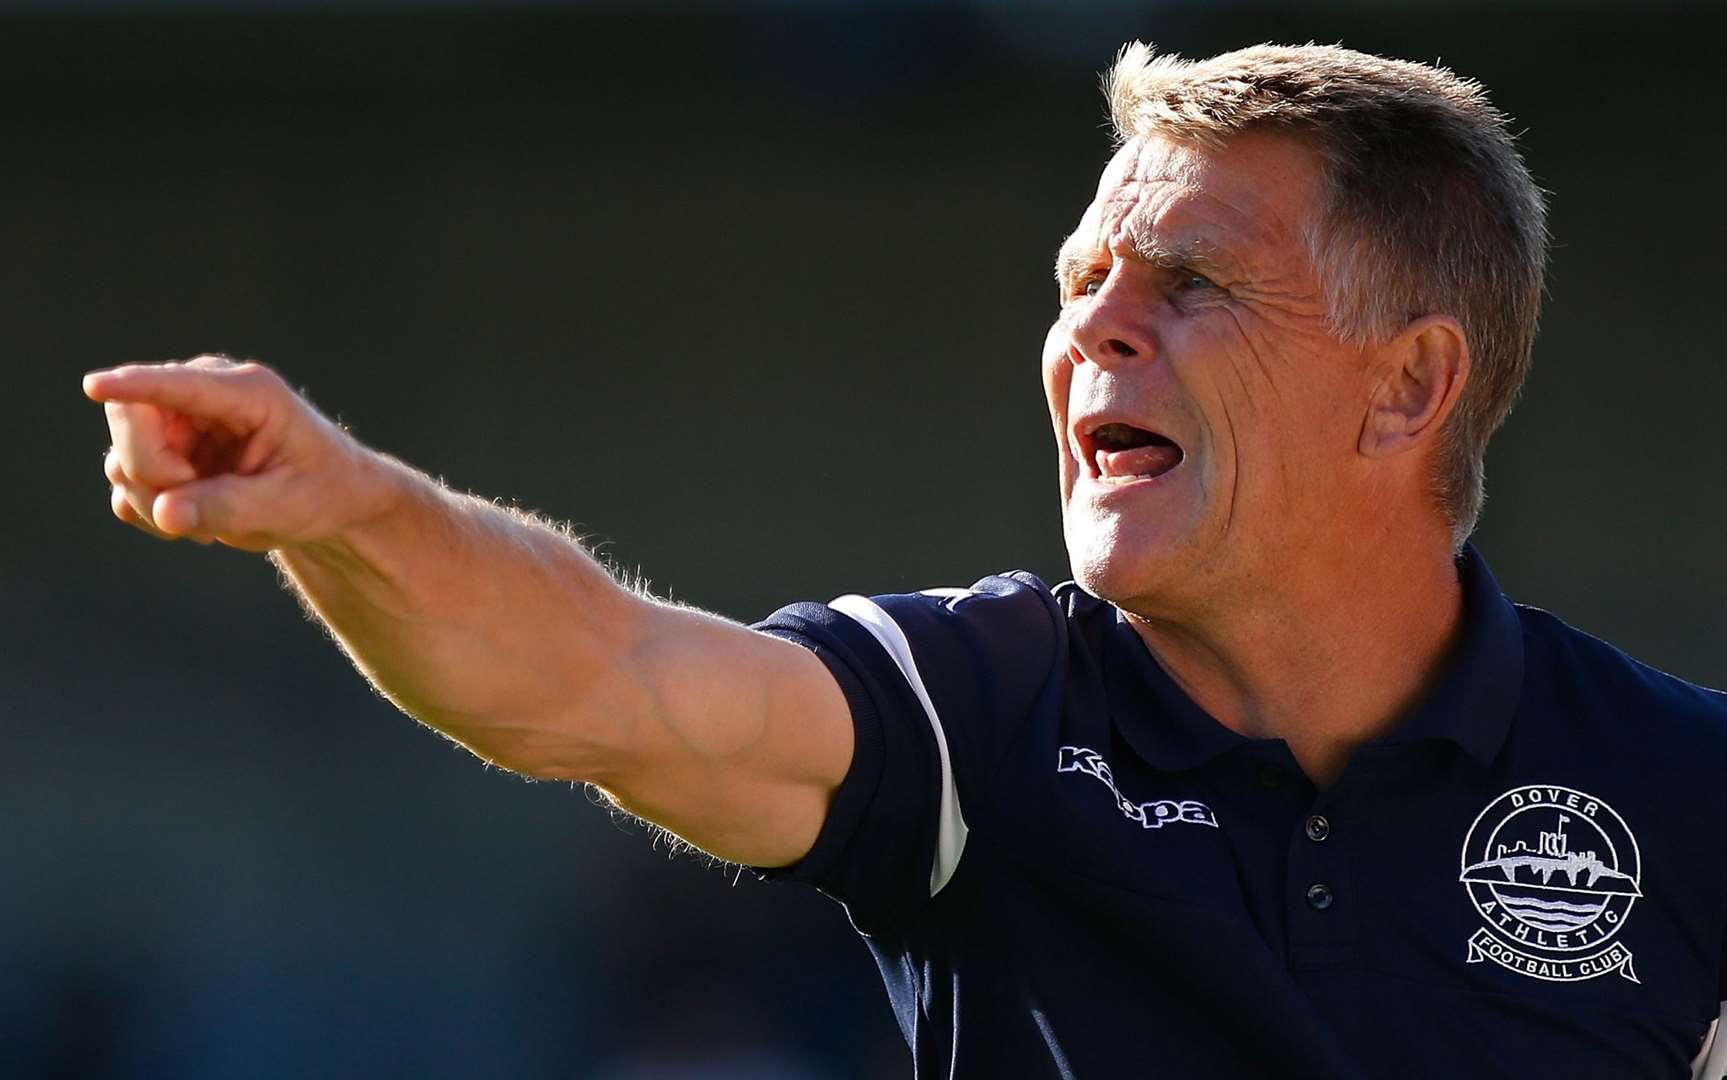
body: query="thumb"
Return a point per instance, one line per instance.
(232, 507)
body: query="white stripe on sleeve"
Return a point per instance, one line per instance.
(1711, 1061)
(950, 824)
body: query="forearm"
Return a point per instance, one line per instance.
(494, 628)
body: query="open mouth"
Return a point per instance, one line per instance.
(1121, 452)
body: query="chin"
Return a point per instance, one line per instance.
(1140, 544)
(1136, 573)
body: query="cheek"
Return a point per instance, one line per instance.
(1237, 387)
(1057, 380)
(1282, 414)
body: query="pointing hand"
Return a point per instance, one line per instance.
(212, 449)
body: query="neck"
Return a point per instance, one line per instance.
(1330, 655)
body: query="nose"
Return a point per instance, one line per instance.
(1112, 326)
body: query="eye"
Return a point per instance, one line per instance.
(1193, 279)
(1079, 288)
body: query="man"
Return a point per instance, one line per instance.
(1281, 785)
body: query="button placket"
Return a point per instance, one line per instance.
(1322, 928)
(1312, 863)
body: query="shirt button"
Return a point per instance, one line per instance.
(1270, 777)
(1318, 828)
(1319, 897)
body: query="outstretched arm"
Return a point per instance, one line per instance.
(488, 625)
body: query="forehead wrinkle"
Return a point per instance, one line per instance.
(1187, 230)
(1156, 229)
(1131, 218)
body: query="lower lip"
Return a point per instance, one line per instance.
(1136, 483)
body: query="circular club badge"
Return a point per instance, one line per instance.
(1553, 872)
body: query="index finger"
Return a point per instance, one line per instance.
(225, 394)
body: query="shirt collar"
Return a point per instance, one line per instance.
(1472, 706)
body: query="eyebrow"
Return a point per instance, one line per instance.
(1071, 260)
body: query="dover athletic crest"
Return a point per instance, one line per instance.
(1554, 873)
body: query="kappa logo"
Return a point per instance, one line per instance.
(1148, 815)
(1554, 873)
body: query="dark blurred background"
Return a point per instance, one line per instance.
(754, 296)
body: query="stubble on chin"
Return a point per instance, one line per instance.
(1099, 555)
(1143, 575)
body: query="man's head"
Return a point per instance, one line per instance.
(1303, 300)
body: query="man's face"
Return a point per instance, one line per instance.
(1207, 422)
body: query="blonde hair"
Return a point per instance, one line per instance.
(1429, 208)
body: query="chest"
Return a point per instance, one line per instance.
(1520, 909)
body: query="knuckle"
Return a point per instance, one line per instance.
(262, 374)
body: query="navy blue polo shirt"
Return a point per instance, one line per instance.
(1064, 867)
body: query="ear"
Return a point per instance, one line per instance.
(1421, 372)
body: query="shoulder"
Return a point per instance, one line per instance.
(1594, 677)
(991, 656)
(999, 625)
(999, 636)
(1012, 618)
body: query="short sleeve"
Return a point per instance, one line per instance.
(936, 682)
(1711, 1060)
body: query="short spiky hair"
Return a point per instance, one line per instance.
(1429, 208)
